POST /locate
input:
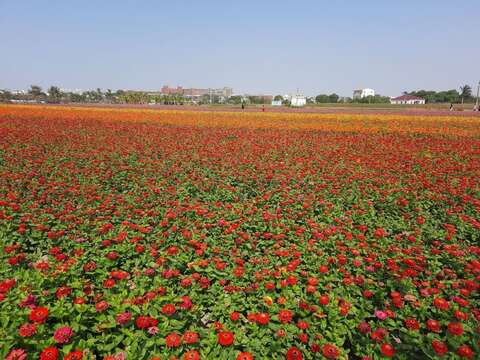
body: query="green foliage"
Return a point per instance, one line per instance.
(323, 98)
(377, 99)
(449, 96)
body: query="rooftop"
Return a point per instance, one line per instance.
(407, 97)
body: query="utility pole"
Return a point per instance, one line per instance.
(478, 94)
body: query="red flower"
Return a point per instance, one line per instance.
(168, 309)
(465, 351)
(49, 353)
(294, 354)
(378, 334)
(303, 325)
(62, 292)
(190, 337)
(303, 338)
(439, 347)
(173, 340)
(235, 316)
(262, 318)
(412, 324)
(245, 356)
(433, 325)
(74, 355)
(27, 330)
(330, 351)
(455, 329)
(387, 350)
(187, 303)
(191, 355)
(38, 315)
(225, 338)
(285, 316)
(380, 233)
(323, 299)
(102, 306)
(144, 322)
(440, 303)
(364, 327)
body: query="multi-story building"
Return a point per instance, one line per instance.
(363, 93)
(224, 92)
(167, 90)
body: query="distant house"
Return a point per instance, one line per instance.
(408, 99)
(298, 101)
(276, 102)
(363, 93)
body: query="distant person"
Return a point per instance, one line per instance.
(263, 108)
(243, 106)
(451, 107)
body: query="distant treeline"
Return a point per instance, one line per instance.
(334, 98)
(448, 96)
(55, 95)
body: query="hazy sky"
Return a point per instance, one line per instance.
(253, 46)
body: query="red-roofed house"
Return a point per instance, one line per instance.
(408, 99)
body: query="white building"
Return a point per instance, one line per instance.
(298, 100)
(276, 102)
(408, 99)
(363, 93)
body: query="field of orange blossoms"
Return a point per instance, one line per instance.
(147, 234)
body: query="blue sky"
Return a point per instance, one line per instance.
(252, 46)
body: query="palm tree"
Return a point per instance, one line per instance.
(465, 92)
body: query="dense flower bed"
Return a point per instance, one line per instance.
(139, 235)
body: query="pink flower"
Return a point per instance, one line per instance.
(381, 315)
(17, 354)
(63, 335)
(152, 330)
(124, 318)
(121, 356)
(29, 301)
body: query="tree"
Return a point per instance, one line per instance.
(449, 96)
(35, 90)
(465, 92)
(79, 98)
(109, 95)
(377, 99)
(278, 98)
(5, 95)
(236, 99)
(322, 98)
(54, 94)
(333, 98)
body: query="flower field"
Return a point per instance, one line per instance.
(142, 234)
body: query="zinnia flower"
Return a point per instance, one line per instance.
(173, 340)
(225, 338)
(27, 330)
(49, 353)
(294, 354)
(63, 335)
(17, 354)
(381, 315)
(330, 351)
(38, 315)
